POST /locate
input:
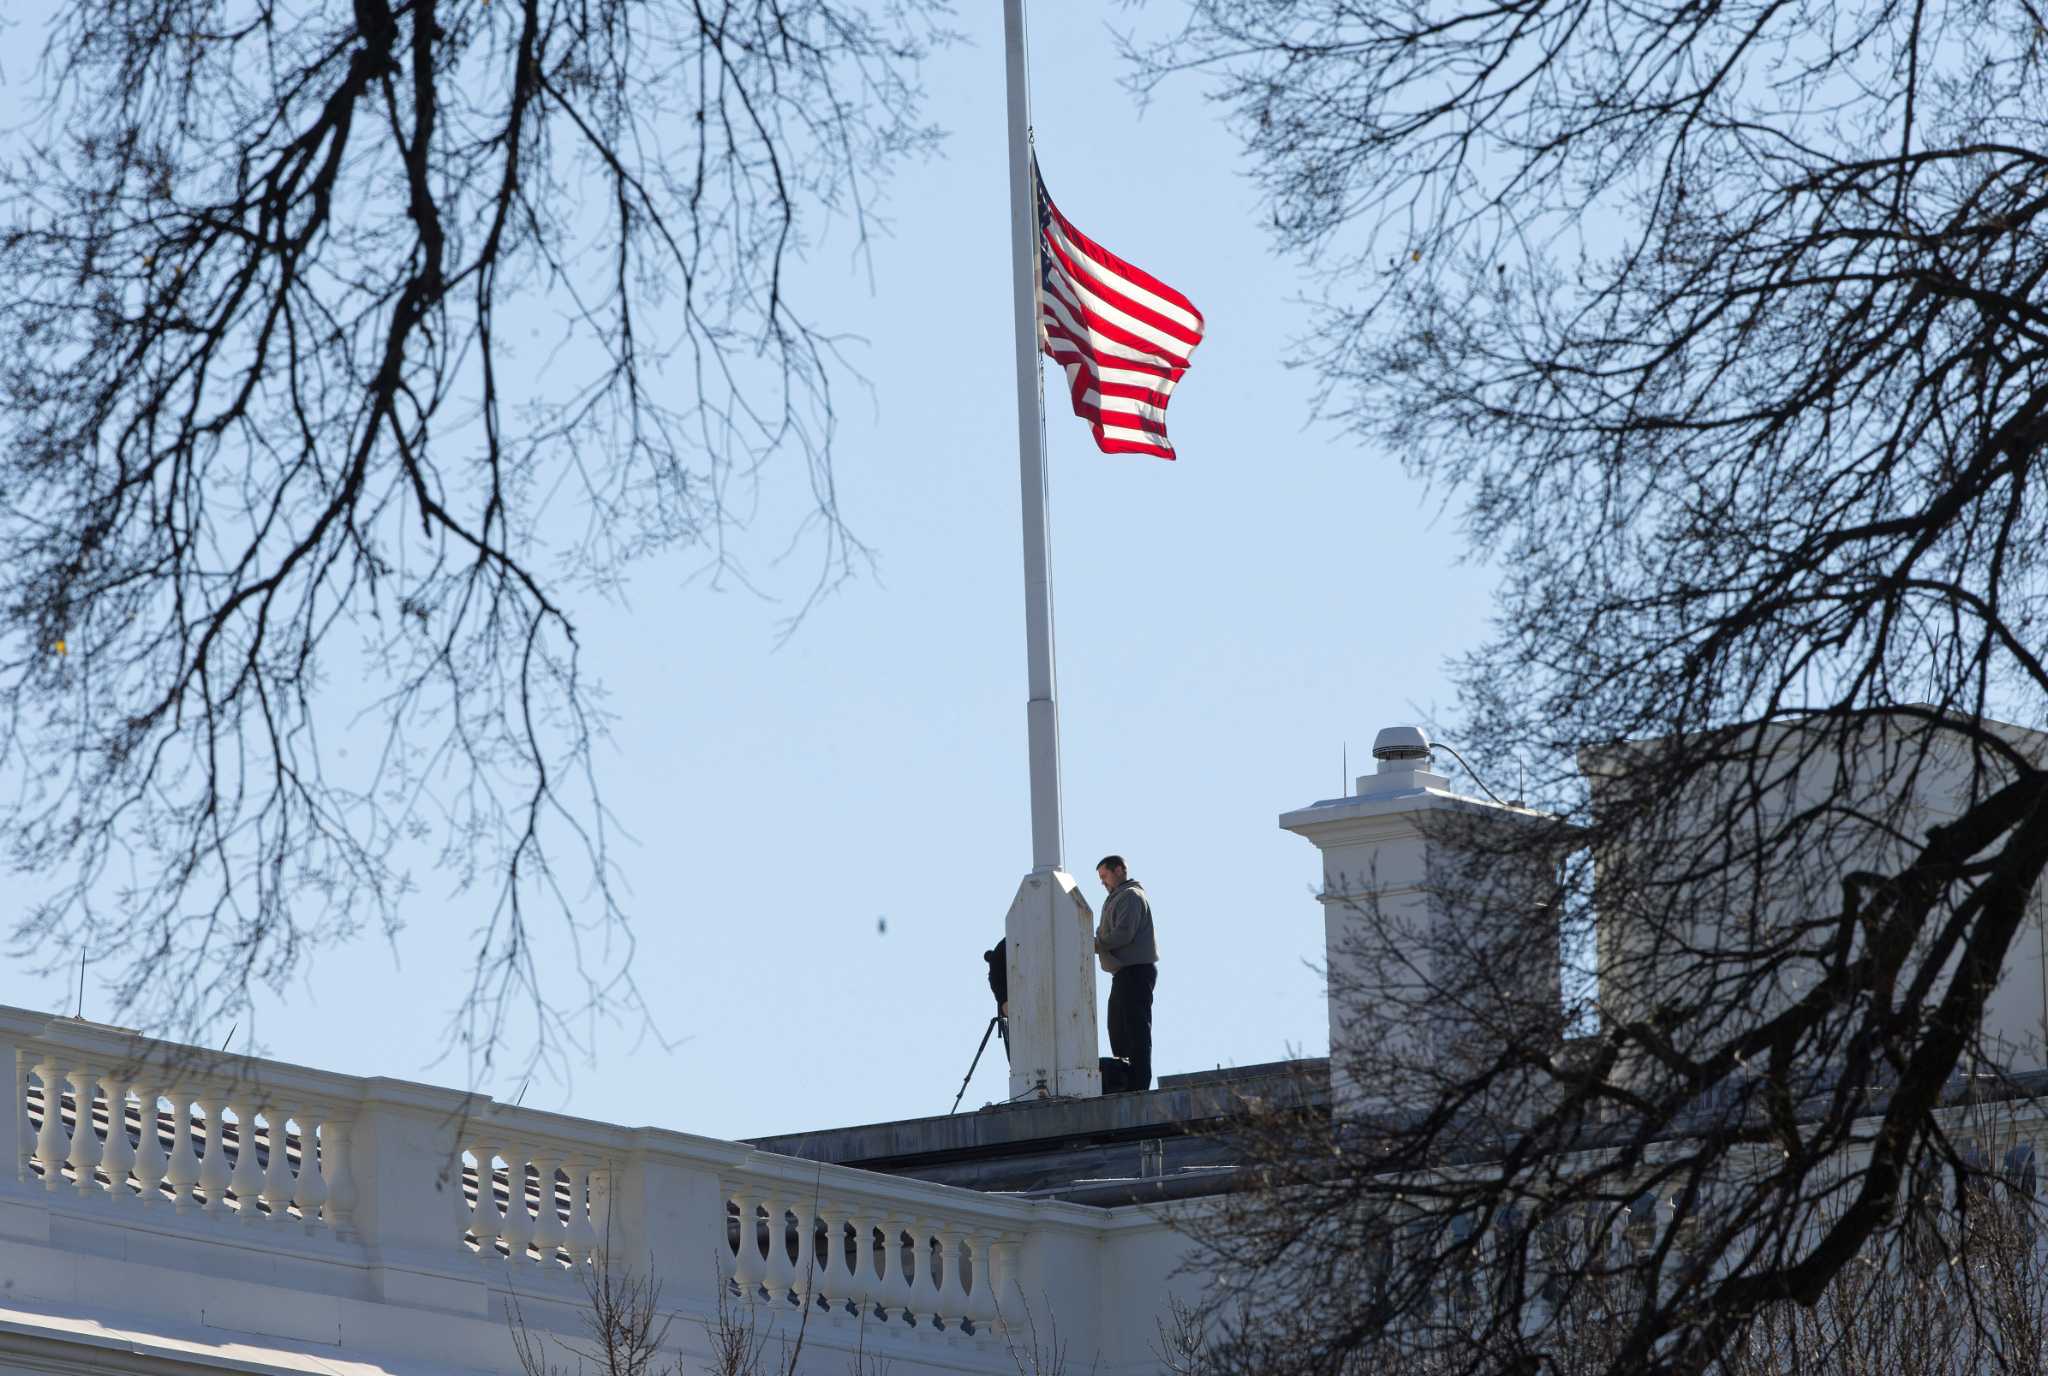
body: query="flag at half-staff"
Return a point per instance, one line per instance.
(1123, 336)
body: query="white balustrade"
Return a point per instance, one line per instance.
(858, 1256)
(550, 1205)
(133, 1129)
(234, 1146)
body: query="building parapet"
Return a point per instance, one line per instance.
(327, 1202)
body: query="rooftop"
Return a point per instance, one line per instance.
(1172, 1142)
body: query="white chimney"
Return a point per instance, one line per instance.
(1398, 857)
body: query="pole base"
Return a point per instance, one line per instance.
(1050, 934)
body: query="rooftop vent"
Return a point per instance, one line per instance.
(1400, 743)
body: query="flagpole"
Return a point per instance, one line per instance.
(1042, 710)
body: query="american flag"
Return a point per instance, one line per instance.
(1123, 336)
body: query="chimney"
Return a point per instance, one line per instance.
(1418, 885)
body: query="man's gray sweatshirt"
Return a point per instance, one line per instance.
(1124, 936)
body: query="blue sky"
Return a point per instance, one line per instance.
(1225, 624)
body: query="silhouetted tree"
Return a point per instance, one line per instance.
(1980, 1305)
(1726, 326)
(345, 345)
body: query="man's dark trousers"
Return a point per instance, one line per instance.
(1130, 1019)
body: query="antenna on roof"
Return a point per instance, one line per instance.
(1344, 780)
(80, 1014)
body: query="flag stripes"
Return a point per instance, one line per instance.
(1123, 336)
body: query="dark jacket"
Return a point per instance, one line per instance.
(1124, 936)
(999, 971)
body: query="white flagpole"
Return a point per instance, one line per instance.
(1042, 712)
(1051, 962)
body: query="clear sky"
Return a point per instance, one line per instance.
(1225, 625)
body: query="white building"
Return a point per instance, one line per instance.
(365, 1245)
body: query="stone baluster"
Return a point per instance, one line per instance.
(213, 1162)
(584, 1200)
(461, 1209)
(484, 1209)
(247, 1178)
(850, 1267)
(183, 1168)
(309, 1190)
(919, 1293)
(478, 1215)
(871, 1264)
(518, 1221)
(952, 1288)
(499, 1218)
(872, 1249)
(848, 1285)
(924, 1285)
(118, 1157)
(484, 1220)
(51, 1143)
(896, 1297)
(149, 1147)
(1002, 1270)
(84, 1156)
(980, 1278)
(338, 1212)
(748, 1266)
(806, 1280)
(548, 1229)
(277, 1168)
(828, 1248)
(908, 1266)
(781, 1270)
(935, 1261)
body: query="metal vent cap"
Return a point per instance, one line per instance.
(1400, 743)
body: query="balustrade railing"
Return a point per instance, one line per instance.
(851, 1252)
(441, 1181)
(159, 1131)
(530, 1203)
